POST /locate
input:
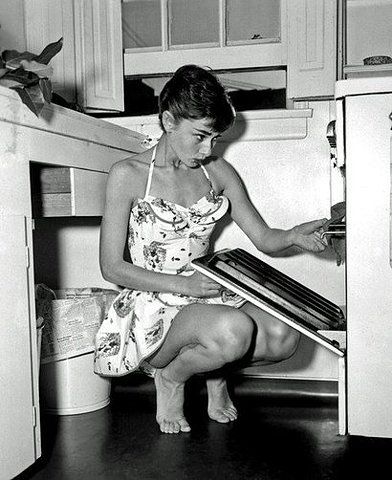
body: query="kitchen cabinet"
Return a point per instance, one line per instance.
(20, 442)
(89, 68)
(87, 147)
(312, 48)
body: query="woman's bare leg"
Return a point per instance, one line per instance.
(220, 405)
(202, 338)
(274, 341)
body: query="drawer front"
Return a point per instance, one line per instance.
(67, 192)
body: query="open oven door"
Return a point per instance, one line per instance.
(286, 299)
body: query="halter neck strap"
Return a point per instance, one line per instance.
(206, 174)
(152, 163)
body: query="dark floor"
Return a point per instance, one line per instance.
(281, 433)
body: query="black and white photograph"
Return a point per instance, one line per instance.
(195, 239)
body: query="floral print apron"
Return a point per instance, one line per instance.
(163, 237)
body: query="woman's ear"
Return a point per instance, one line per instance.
(168, 121)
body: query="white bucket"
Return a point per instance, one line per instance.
(70, 386)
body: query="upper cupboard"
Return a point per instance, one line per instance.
(105, 40)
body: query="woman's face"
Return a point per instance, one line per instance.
(191, 140)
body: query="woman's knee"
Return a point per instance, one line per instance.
(283, 342)
(231, 335)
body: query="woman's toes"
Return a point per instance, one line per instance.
(232, 413)
(221, 417)
(174, 427)
(168, 426)
(224, 415)
(163, 426)
(184, 425)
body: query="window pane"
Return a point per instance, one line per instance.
(368, 30)
(141, 23)
(252, 20)
(256, 90)
(193, 21)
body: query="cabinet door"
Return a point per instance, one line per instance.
(46, 22)
(19, 406)
(98, 35)
(312, 49)
(89, 68)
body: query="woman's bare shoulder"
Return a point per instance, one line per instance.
(222, 171)
(134, 164)
(130, 172)
(128, 177)
(220, 165)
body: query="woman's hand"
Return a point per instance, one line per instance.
(198, 285)
(308, 236)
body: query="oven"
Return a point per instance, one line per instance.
(361, 335)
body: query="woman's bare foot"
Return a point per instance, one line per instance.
(220, 406)
(170, 401)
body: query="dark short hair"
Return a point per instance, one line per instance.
(194, 92)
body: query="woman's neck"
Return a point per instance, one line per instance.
(165, 155)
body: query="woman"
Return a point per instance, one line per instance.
(165, 202)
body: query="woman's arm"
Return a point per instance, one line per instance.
(266, 239)
(125, 183)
